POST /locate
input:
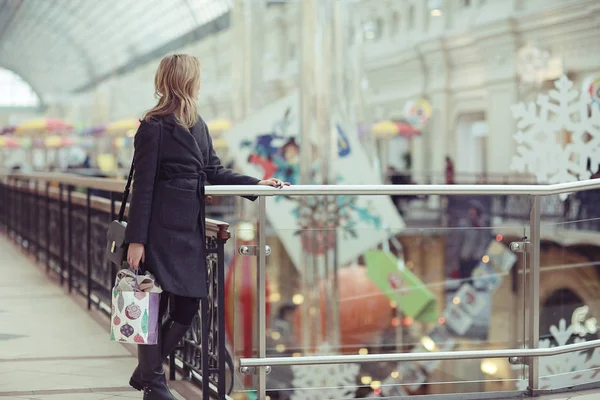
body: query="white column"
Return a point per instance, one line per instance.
(437, 131)
(498, 48)
(324, 73)
(238, 54)
(500, 143)
(248, 50)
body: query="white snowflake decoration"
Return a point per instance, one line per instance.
(565, 370)
(321, 382)
(564, 110)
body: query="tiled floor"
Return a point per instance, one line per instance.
(50, 347)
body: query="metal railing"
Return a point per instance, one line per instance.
(260, 365)
(62, 221)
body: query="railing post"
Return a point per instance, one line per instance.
(18, 219)
(534, 293)
(88, 246)
(222, 236)
(70, 237)
(61, 234)
(261, 288)
(48, 226)
(36, 217)
(205, 364)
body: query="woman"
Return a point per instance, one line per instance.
(173, 159)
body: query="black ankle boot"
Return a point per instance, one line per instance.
(170, 336)
(151, 372)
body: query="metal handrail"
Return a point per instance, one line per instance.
(423, 356)
(333, 190)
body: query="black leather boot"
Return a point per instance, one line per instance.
(170, 336)
(151, 372)
(136, 378)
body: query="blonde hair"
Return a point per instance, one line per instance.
(176, 86)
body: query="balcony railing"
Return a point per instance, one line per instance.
(38, 206)
(62, 221)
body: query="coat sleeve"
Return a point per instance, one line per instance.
(145, 158)
(217, 174)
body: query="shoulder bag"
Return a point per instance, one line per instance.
(116, 248)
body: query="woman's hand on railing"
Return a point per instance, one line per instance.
(276, 183)
(135, 255)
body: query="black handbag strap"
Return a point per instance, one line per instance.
(126, 193)
(132, 169)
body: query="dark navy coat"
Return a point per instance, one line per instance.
(166, 213)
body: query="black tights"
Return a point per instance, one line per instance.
(183, 309)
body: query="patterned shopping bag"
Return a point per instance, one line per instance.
(135, 308)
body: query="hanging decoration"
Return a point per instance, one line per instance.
(417, 113)
(401, 286)
(324, 382)
(593, 88)
(539, 150)
(458, 317)
(564, 370)
(365, 310)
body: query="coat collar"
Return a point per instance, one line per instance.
(183, 136)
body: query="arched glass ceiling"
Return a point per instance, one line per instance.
(62, 45)
(15, 92)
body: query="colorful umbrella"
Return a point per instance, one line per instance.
(87, 142)
(8, 142)
(26, 142)
(122, 142)
(219, 125)
(52, 142)
(122, 127)
(55, 141)
(7, 130)
(68, 141)
(389, 129)
(94, 130)
(220, 143)
(43, 125)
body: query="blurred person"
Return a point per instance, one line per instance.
(174, 158)
(474, 240)
(284, 324)
(449, 171)
(280, 379)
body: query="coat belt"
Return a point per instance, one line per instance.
(200, 176)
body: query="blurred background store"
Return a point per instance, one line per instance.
(353, 92)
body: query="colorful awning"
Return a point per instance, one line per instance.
(43, 126)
